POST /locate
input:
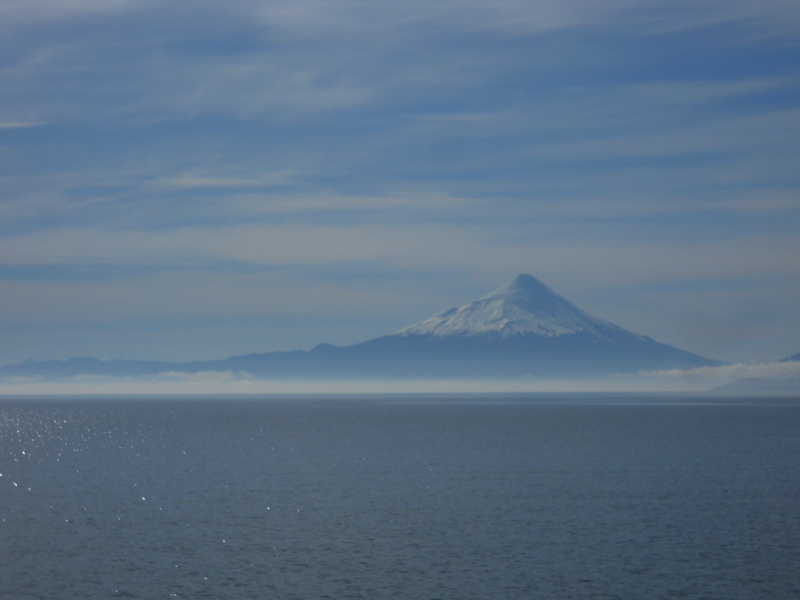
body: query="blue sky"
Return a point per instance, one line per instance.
(184, 180)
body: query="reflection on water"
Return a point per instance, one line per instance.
(406, 497)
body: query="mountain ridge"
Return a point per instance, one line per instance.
(525, 305)
(522, 329)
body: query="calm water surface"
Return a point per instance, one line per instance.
(504, 497)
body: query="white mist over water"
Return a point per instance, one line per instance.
(214, 382)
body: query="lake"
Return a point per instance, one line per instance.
(417, 497)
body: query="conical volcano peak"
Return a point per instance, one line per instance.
(533, 296)
(524, 286)
(523, 306)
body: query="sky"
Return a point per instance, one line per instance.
(187, 180)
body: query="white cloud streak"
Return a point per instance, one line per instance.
(228, 383)
(729, 373)
(304, 57)
(21, 124)
(404, 244)
(461, 137)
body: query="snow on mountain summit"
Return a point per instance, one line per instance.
(523, 306)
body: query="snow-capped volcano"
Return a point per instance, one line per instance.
(523, 306)
(522, 329)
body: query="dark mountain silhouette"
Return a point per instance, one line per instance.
(523, 329)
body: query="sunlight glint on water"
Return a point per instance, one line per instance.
(404, 497)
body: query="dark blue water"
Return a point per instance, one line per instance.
(416, 497)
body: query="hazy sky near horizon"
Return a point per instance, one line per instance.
(184, 180)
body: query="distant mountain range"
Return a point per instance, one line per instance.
(765, 385)
(522, 329)
(761, 385)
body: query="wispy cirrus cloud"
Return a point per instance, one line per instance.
(20, 124)
(289, 59)
(640, 155)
